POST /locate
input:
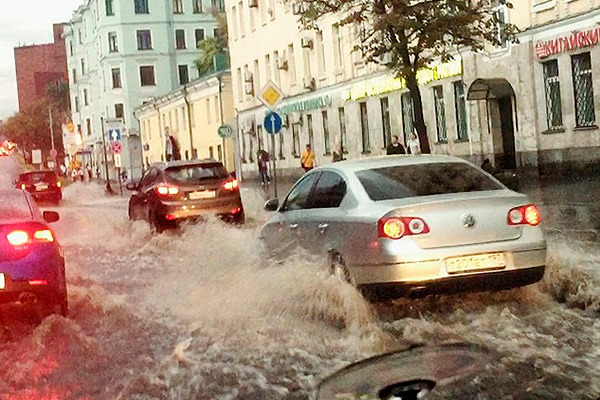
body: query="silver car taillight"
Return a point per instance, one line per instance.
(398, 227)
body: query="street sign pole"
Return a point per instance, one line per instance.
(109, 189)
(273, 156)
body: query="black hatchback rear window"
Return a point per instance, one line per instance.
(190, 174)
(38, 177)
(416, 180)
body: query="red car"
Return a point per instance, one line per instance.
(42, 185)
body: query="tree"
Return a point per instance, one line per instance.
(212, 47)
(412, 34)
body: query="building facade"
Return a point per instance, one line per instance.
(192, 115)
(38, 66)
(122, 53)
(492, 104)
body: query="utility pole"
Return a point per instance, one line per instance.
(109, 188)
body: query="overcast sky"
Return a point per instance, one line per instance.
(25, 22)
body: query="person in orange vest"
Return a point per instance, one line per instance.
(308, 158)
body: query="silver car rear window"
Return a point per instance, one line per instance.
(415, 180)
(190, 174)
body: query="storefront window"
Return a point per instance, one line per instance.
(440, 114)
(311, 131)
(408, 115)
(385, 120)
(552, 86)
(364, 123)
(460, 106)
(342, 116)
(583, 89)
(296, 140)
(326, 132)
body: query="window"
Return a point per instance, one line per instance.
(240, 84)
(552, 89)
(184, 76)
(197, 6)
(82, 67)
(80, 36)
(298, 197)
(144, 40)
(192, 116)
(364, 126)
(211, 152)
(385, 121)
(177, 7)
(141, 7)
(147, 75)
(501, 26)
(440, 113)
(199, 33)
(116, 78)
(215, 32)
(86, 100)
(329, 191)
(119, 111)
(234, 18)
(242, 26)
(256, 77)
(88, 125)
(219, 152)
(74, 73)
(338, 55)
(296, 140)
(217, 109)
(77, 108)
(113, 45)
(218, 4)
(71, 52)
(311, 131)
(267, 68)
(291, 65)
(180, 39)
(343, 137)
(460, 106)
(276, 71)
(208, 110)
(408, 115)
(320, 53)
(109, 7)
(326, 132)
(583, 90)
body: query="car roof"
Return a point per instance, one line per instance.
(15, 207)
(184, 163)
(391, 161)
(44, 171)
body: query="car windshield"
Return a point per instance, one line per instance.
(416, 180)
(190, 174)
(14, 207)
(38, 177)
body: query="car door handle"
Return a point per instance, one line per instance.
(323, 227)
(293, 226)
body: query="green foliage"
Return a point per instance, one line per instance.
(209, 48)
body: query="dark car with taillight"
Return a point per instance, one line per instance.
(42, 185)
(32, 265)
(176, 191)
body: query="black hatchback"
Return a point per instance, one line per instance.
(172, 192)
(42, 185)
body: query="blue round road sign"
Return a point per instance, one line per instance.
(272, 123)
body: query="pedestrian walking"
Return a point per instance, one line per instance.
(262, 159)
(307, 160)
(395, 147)
(413, 144)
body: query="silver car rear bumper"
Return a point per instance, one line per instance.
(425, 272)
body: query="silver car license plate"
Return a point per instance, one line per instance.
(206, 194)
(479, 262)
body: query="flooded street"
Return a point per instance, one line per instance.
(199, 314)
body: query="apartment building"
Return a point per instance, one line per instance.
(192, 115)
(493, 104)
(122, 53)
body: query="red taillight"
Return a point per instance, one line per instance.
(37, 282)
(58, 184)
(21, 237)
(524, 215)
(18, 238)
(236, 210)
(164, 190)
(23, 186)
(231, 185)
(398, 227)
(170, 217)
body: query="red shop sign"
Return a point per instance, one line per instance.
(574, 41)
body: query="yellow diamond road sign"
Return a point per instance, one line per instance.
(270, 95)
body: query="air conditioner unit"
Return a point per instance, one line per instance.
(249, 88)
(309, 82)
(248, 76)
(306, 43)
(253, 3)
(282, 63)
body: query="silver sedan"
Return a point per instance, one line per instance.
(407, 225)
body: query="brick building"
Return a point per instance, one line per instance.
(39, 65)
